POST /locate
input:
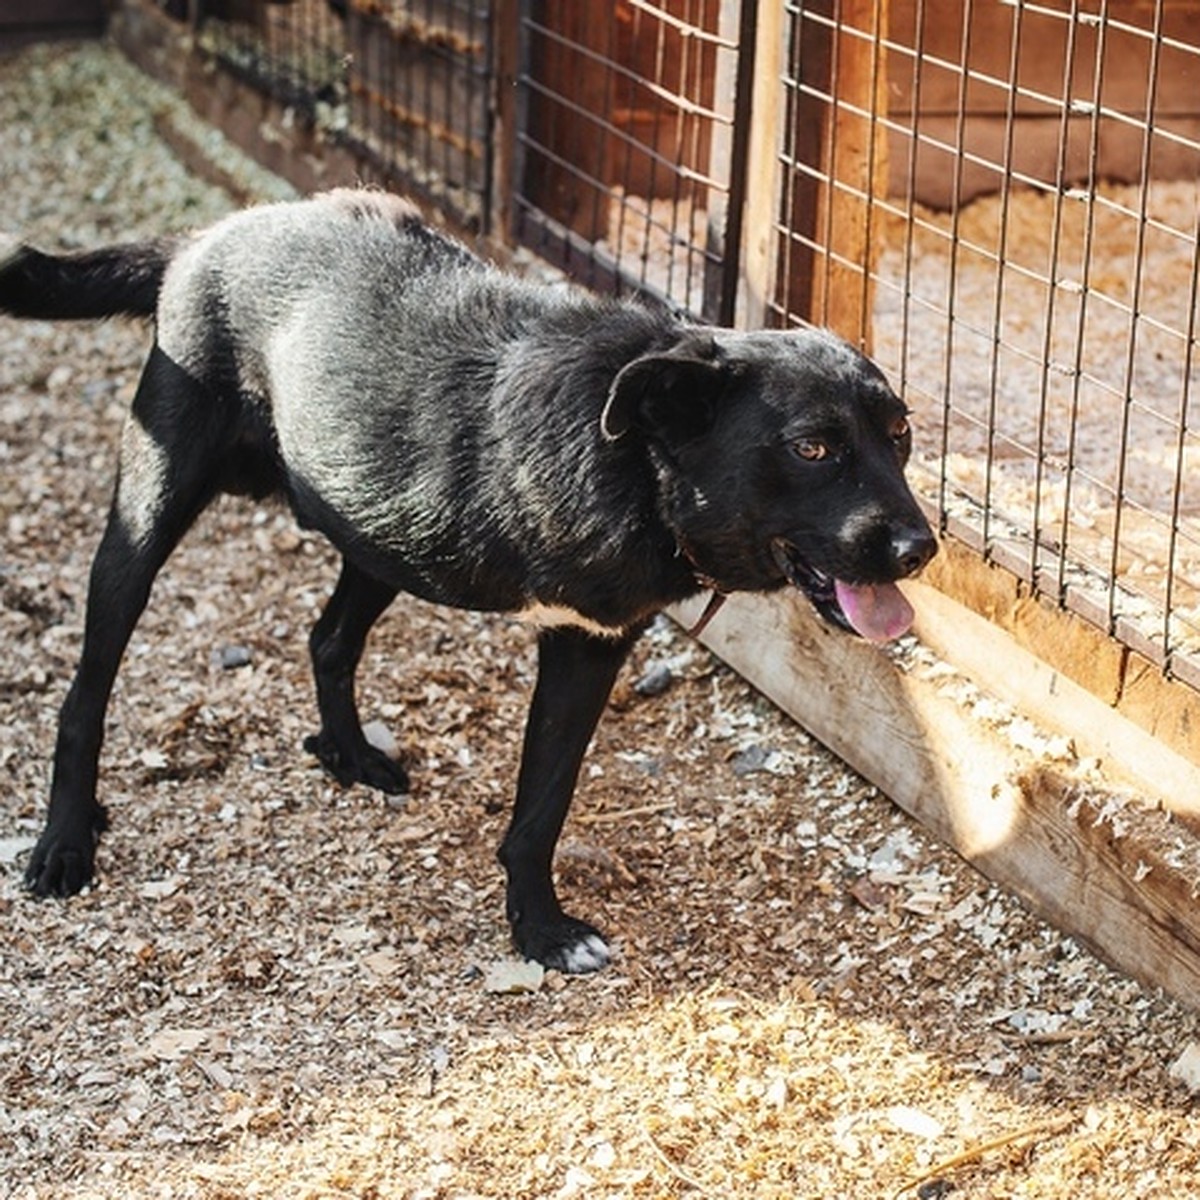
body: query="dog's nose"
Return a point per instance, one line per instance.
(912, 548)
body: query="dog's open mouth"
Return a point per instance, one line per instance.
(876, 611)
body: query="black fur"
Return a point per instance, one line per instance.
(478, 441)
(117, 280)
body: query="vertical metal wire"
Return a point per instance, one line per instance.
(1053, 287)
(1135, 316)
(599, 199)
(829, 153)
(1001, 252)
(1189, 358)
(784, 242)
(739, 155)
(484, 86)
(1100, 21)
(877, 68)
(626, 144)
(910, 200)
(960, 140)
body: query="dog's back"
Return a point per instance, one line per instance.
(416, 400)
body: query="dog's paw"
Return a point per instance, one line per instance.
(61, 865)
(565, 944)
(365, 764)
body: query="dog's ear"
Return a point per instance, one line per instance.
(672, 394)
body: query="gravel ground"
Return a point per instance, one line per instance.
(279, 988)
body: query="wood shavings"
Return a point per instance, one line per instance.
(677, 1171)
(513, 978)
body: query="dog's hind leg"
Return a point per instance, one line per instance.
(576, 671)
(165, 479)
(336, 645)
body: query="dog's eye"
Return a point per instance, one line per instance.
(811, 449)
(900, 429)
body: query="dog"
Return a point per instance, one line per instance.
(477, 440)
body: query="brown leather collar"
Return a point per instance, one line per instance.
(709, 583)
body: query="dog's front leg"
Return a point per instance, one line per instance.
(576, 671)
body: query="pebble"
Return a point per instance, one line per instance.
(229, 658)
(655, 680)
(1186, 1068)
(753, 758)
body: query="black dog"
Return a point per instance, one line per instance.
(479, 441)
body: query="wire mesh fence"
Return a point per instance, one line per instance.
(998, 198)
(628, 140)
(405, 84)
(295, 51)
(1063, 377)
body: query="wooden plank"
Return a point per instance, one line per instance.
(506, 15)
(1118, 875)
(760, 229)
(1165, 708)
(838, 141)
(47, 14)
(855, 156)
(714, 200)
(47, 20)
(995, 660)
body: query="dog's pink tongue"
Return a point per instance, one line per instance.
(878, 611)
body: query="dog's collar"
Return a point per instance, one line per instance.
(710, 610)
(706, 581)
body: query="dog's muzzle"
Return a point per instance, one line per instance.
(876, 611)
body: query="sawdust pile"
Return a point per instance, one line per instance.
(282, 989)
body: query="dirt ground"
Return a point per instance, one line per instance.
(281, 989)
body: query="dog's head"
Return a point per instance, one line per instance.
(780, 459)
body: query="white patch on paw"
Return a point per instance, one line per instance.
(590, 954)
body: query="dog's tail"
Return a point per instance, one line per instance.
(117, 280)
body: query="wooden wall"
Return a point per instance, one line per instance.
(1056, 60)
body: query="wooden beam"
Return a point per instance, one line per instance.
(839, 145)
(1113, 872)
(714, 200)
(24, 24)
(760, 228)
(507, 34)
(1072, 647)
(855, 157)
(992, 658)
